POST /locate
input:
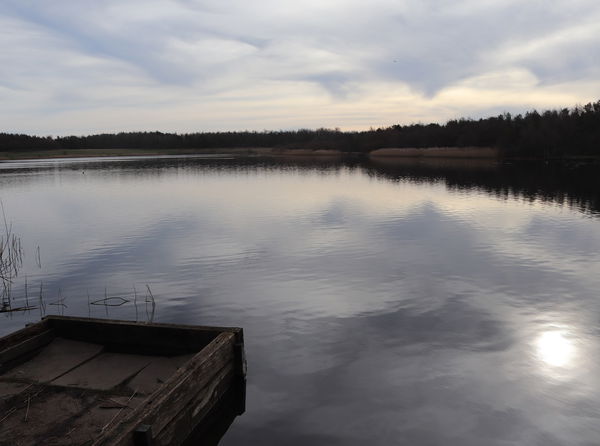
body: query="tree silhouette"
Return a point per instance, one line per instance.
(551, 134)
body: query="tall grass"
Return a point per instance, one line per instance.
(11, 260)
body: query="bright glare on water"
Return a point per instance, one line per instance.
(426, 304)
(555, 349)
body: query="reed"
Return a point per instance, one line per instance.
(11, 260)
(13, 301)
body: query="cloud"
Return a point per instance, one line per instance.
(190, 65)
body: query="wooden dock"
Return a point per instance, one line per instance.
(78, 381)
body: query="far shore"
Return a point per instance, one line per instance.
(438, 152)
(93, 153)
(382, 154)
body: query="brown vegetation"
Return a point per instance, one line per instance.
(437, 152)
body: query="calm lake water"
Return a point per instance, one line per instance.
(382, 303)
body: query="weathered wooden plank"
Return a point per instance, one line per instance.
(9, 390)
(42, 419)
(23, 334)
(104, 372)
(117, 322)
(157, 373)
(216, 423)
(240, 371)
(163, 405)
(55, 359)
(10, 356)
(172, 411)
(191, 415)
(190, 381)
(91, 423)
(138, 337)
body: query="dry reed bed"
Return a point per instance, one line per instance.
(436, 152)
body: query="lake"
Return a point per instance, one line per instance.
(390, 302)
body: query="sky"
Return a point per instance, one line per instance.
(82, 67)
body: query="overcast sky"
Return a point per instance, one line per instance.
(82, 66)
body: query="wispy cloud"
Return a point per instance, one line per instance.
(78, 67)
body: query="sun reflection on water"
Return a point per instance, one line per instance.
(554, 348)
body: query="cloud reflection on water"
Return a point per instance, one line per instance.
(374, 310)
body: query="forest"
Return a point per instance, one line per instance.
(549, 134)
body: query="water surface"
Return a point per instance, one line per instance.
(387, 303)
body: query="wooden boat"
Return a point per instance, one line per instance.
(78, 381)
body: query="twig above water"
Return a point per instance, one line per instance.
(150, 299)
(114, 301)
(7, 309)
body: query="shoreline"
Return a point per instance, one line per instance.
(382, 154)
(99, 153)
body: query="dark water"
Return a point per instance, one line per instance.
(382, 303)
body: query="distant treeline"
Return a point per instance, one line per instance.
(553, 133)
